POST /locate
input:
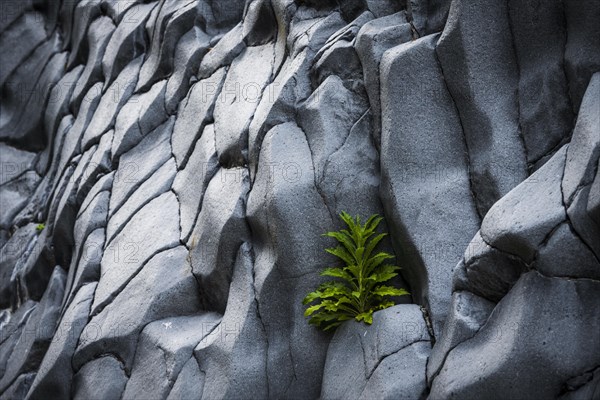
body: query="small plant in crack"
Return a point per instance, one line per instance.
(40, 227)
(358, 289)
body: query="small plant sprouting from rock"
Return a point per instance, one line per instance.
(40, 227)
(358, 290)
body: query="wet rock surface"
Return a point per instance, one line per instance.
(168, 168)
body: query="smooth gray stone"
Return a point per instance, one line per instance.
(217, 16)
(260, 25)
(234, 355)
(468, 313)
(26, 95)
(102, 378)
(546, 115)
(189, 51)
(340, 59)
(84, 13)
(223, 53)
(55, 375)
(589, 390)
(428, 16)
(484, 89)
(491, 273)
(189, 383)
(127, 41)
(383, 8)
(14, 162)
(586, 228)
(565, 255)
(20, 39)
(219, 231)
(194, 113)
(12, 10)
(58, 104)
(279, 101)
(98, 167)
(582, 52)
(139, 116)
(158, 183)
(419, 165)
(154, 228)
(164, 348)
(400, 375)
(147, 297)
(359, 353)
(63, 221)
(113, 99)
(139, 163)
(98, 36)
(584, 149)
(296, 351)
(524, 350)
(191, 182)
(37, 333)
(174, 19)
(519, 222)
(372, 41)
(334, 109)
(19, 388)
(15, 195)
(237, 102)
(15, 250)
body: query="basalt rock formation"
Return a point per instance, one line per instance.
(169, 166)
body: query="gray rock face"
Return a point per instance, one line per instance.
(167, 169)
(379, 361)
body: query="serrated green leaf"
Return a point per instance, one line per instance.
(388, 291)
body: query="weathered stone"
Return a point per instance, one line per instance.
(111, 102)
(154, 228)
(55, 374)
(358, 353)
(373, 40)
(98, 35)
(477, 57)
(233, 355)
(584, 150)
(26, 92)
(103, 377)
(37, 332)
(419, 165)
(219, 231)
(139, 163)
(295, 351)
(223, 53)
(147, 297)
(157, 184)
(237, 103)
(127, 41)
(545, 112)
(22, 37)
(467, 314)
(174, 18)
(327, 126)
(553, 258)
(582, 52)
(520, 221)
(524, 350)
(164, 348)
(189, 383)
(191, 182)
(142, 114)
(189, 51)
(194, 114)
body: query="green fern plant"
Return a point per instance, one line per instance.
(358, 290)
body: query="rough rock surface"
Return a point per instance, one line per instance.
(168, 168)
